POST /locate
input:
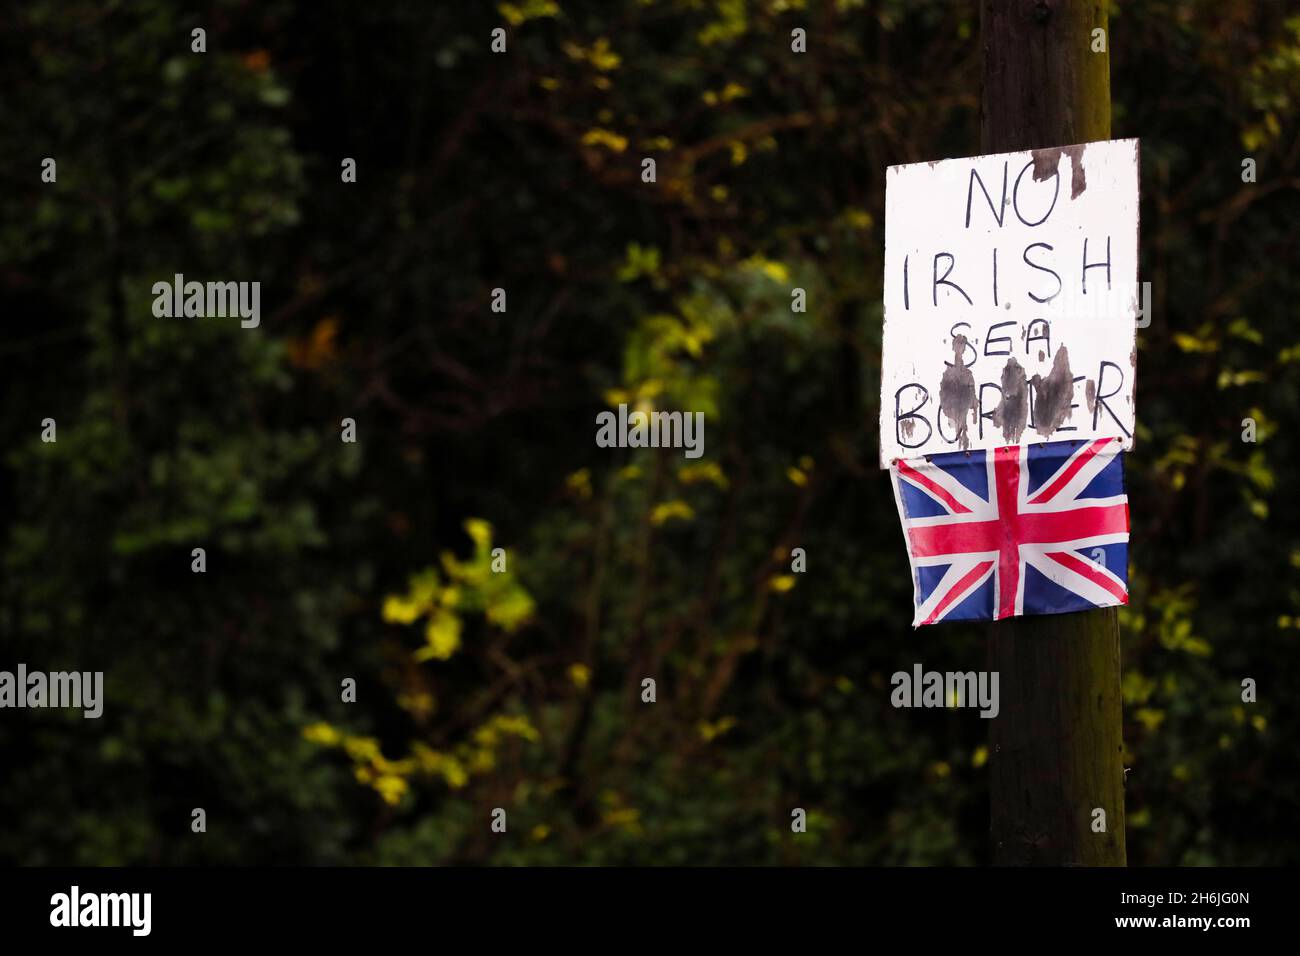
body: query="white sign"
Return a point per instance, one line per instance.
(1011, 299)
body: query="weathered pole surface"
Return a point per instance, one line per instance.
(1056, 748)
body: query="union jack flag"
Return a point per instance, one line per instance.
(1026, 529)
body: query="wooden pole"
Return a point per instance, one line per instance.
(1056, 747)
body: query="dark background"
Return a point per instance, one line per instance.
(521, 170)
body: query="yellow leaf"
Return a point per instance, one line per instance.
(518, 725)
(480, 531)
(361, 749)
(421, 703)
(773, 270)
(627, 818)
(1149, 717)
(425, 587)
(602, 57)
(442, 636)
(1190, 343)
(858, 218)
(579, 483)
(515, 14)
(323, 734)
(712, 731)
(390, 788)
(512, 610)
(669, 510)
(603, 137)
(705, 471)
(398, 610)
(454, 772)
